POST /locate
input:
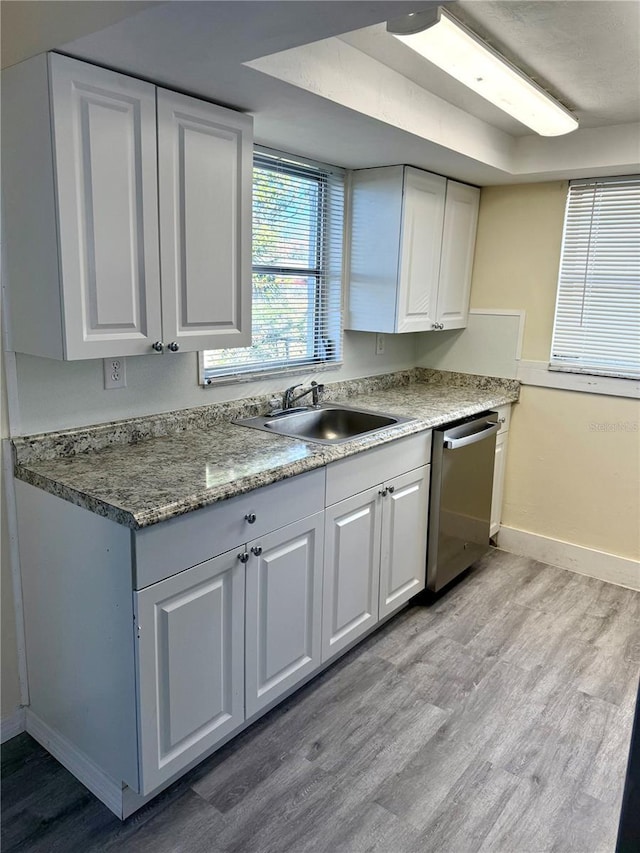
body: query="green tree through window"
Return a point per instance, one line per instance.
(297, 230)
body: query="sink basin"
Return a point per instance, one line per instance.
(325, 424)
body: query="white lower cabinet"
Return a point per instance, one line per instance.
(404, 539)
(190, 665)
(375, 539)
(283, 610)
(499, 469)
(352, 570)
(176, 650)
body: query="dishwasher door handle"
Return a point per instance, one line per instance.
(487, 430)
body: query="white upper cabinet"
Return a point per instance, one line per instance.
(412, 242)
(456, 263)
(205, 171)
(105, 153)
(420, 247)
(91, 270)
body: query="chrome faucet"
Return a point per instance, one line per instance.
(289, 398)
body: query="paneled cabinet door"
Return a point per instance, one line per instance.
(352, 570)
(404, 539)
(421, 243)
(283, 613)
(458, 246)
(205, 178)
(104, 129)
(190, 665)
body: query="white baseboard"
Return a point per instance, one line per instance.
(12, 725)
(83, 768)
(622, 571)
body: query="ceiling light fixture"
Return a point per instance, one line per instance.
(439, 37)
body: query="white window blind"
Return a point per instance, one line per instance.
(298, 214)
(597, 320)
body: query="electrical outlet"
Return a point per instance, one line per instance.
(115, 373)
(379, 344)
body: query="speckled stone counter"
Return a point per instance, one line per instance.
(146, 470)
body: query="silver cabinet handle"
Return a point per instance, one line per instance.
(256, 550)
(250, 517)
(158, 346)
(174, 347)
(243, 557)
(383, 493)
(501, 420)
(391, 489)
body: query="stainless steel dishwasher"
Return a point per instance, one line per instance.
(462, 460)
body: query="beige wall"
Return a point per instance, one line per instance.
(518, 254)
(30, 27)
(573, 464)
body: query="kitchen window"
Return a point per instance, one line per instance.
(298, 212)
(597, 318)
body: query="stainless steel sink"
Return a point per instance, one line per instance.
(325, 424)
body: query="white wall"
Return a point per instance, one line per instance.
(10, 683)
(55, 395)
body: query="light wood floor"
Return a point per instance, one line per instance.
(496, 719)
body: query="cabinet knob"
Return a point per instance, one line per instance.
(501, 420)
(250, 517)
(158, 346)
(383, 493)
(256, 550)
(391, 489)
(174, 346)
(243, 557)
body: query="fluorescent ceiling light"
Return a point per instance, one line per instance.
(439, 37)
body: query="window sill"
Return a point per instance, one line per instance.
(538, 373)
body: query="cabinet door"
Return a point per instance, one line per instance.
(420, 246)
(284, 606)
(404, 539)
(104, 128)
(351, 570)
(205, 176)
(458, 245)
(190, 665)
(498, 483)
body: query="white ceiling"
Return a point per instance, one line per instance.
(326, 81)
(586, 53)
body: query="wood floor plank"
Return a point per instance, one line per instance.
(238, 769)
(188, 825)
(474, 804)
(277, 815)
(367, 829)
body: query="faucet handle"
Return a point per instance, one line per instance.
(288, 395)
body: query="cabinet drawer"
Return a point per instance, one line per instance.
(170, 547)
(365, 470)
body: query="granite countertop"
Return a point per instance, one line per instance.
(143, 471)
